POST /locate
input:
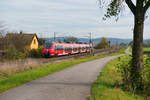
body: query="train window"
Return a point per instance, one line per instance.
(70, 49)
(48, 45)
(59, 47)
(66, 49)
(55, 48)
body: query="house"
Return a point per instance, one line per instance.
(21, 41)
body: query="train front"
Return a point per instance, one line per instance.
(47, 49)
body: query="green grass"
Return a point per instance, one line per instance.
(146, 49)
(105, 87)
(130, 50)
(32, 74)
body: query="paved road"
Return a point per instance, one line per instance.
(128, 51)
(73, 83)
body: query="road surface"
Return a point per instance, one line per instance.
(128, 51)
(73, 83)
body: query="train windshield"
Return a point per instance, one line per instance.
(48, 45)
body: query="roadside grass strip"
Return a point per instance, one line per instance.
(147, 49)
(106, 87)
(32, 74)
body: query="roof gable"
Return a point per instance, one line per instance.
(26, 38)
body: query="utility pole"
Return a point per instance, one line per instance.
(109, 44)
(90, 38)
(54, 36)
(90, 43)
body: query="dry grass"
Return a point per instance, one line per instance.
(10, 67)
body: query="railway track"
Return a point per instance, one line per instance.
(95, 52)
(41, 61)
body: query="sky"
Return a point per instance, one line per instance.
(66, 18)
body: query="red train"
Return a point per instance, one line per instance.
(57, 49)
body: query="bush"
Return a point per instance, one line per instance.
(146, 74)
(35, 53)
(13, 54)
(103, 44)
(124, 68)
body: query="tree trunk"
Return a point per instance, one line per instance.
(137, 52)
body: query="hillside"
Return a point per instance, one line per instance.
(96, 40)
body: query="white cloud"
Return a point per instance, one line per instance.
(73, 16)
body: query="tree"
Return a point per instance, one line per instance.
(2, 29)
(147, 43)
(41, 41)
(131, 43)
(139, 9)
(2, 33)
(103, 44)
(71, 40)
(123, 44)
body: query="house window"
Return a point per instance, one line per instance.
(34, 41)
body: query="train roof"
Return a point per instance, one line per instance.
(71, 43)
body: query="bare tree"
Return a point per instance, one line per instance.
(2, 29)
(2, 33)
(139, 9)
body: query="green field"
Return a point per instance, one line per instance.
(106, 87)
(32, 74)
(147, 49)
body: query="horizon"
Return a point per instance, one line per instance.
(94, 38)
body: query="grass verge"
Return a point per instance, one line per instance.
(147, 49)
(32, 74)
(106, 86)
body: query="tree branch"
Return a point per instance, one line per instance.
(147, 6)
(131, 6)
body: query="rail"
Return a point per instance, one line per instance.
(40, 61)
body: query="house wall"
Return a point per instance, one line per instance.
(34, 43)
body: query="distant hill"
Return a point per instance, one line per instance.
(96, 40)
(113, 40)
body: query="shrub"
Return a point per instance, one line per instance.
(36, 53)
(13, 54)
(124, 68)
(103, 44)
(146, 74)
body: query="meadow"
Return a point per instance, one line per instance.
(147, 49)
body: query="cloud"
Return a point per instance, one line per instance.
(77, 17)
